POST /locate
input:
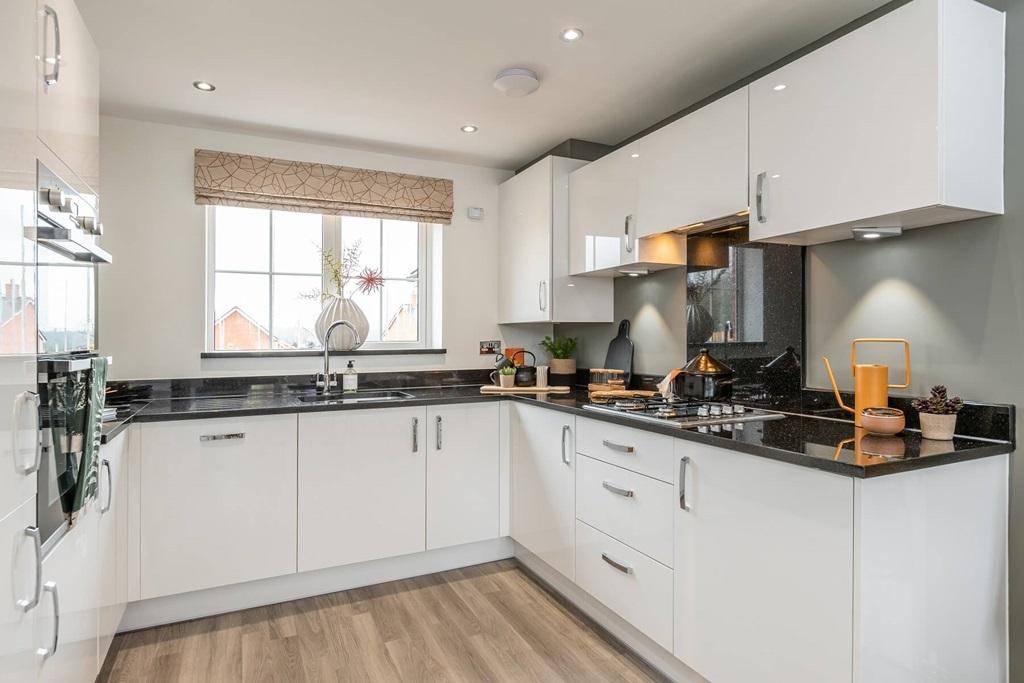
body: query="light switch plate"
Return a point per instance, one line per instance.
(475, 213)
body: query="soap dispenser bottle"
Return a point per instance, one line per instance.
(350, 378)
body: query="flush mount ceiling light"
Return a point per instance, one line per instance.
(571, 34)
(205, 86)
(469, 128)
(870, 234)
(516, 82)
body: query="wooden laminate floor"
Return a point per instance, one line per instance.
(490, 622)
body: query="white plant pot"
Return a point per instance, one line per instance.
(338, 308)
(937, 427)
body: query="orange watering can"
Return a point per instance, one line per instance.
(870, 380)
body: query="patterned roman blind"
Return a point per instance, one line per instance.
(228, 179)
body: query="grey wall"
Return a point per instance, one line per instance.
(957, 292)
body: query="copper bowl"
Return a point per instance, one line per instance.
(883, 420)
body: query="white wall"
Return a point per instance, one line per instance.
(152, 298)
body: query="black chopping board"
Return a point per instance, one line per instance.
(620, 352)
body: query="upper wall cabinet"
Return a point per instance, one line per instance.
(695, 168)
(899, 123)
(68, 88)
(534, 284)
(604, 217)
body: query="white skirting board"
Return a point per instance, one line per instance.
(644, 648)
(204, 603)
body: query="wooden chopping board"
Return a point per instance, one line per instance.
(491, 389)
(623, 393)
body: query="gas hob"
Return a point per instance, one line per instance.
(681, 413)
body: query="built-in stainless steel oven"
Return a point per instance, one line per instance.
(67, 232)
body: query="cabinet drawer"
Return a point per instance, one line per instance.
(629, 507)
(634, 449)
(631, 584)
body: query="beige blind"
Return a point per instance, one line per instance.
(229, 179)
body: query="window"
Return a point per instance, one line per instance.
(266, 278)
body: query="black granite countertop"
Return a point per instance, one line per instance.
(811, 441)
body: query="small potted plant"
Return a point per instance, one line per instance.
(561, 350)
(938, 413)
(507, 376)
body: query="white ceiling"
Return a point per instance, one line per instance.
(403, 75)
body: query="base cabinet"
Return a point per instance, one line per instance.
(66, 624)
(218, 502)
(544, 484)
(362, 485)
(462, 474)
(17, 584)
(112, 539)
(763, 569)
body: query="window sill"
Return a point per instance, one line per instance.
(315, 353)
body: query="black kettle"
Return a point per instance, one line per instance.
(526, 375)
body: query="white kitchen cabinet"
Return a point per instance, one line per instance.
(543, 484)
(763, 569)
(18, 589)
(362, 485)
(533, 269)
(66, 623)
(112, 538)
(899, 123)
(462, 474)
(603, 207)
(695, 168)
(218, 502)
(18, 434)
(68, 88)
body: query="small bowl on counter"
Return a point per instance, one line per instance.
(883, 420)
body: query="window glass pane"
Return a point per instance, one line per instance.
(370, 303)
(401, 248)
(243, 238)
(67, 312)
(295, 314)
(364, 234)
(17, 310)
(297, 241)
(242, 311)
(400, 311)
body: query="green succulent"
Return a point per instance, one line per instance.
(507, 370)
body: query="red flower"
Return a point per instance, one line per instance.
(369, 280)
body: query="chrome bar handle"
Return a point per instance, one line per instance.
(23, 398)
(618, 447)
(437, 430)
(625, 493)
(105, 464)
(51, 588)
(37, 544)
(222, 437)
(762, 217)
(683, 462)
(625, 569)
(51, 78)
(415, 435)
(565, 456)
(542, 295)
(629, 237)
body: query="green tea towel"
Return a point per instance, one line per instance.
(89, 469)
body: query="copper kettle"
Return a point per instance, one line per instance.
(870, 380)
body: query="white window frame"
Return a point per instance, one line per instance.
(331, 236)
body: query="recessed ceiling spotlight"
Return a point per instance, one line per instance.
(635, 155)
(469, 128)
(205, 86)
(876, 233)
(516, 82)
(571, 34)
(780, 86)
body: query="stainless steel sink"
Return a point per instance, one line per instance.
(355, 397)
